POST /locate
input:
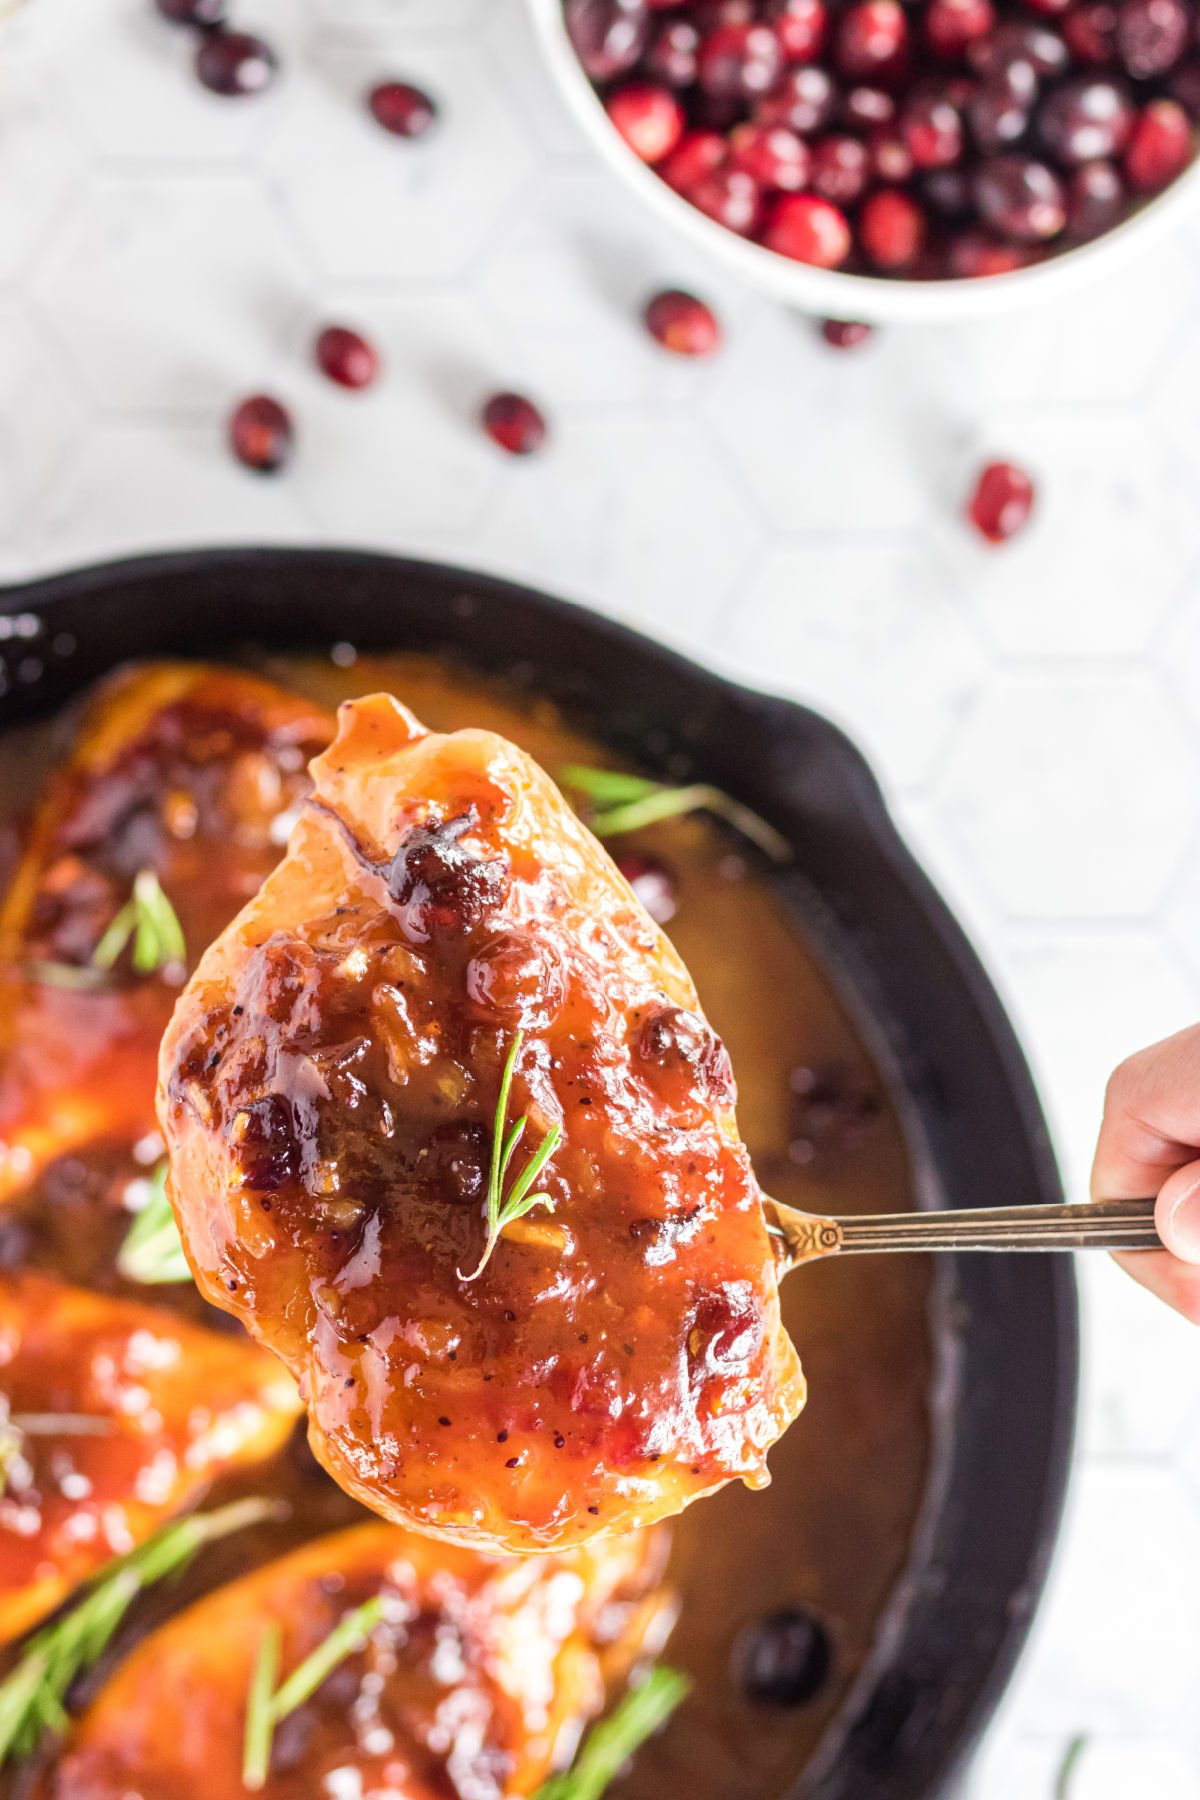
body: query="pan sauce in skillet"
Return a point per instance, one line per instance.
(830, 1537)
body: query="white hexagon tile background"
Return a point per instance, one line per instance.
(781, 511)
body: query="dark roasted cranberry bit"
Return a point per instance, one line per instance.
(453, 1165)
(264, 1140)
(609, 35)
(685, 1047)
(783, 1660)
(260, 433)
(1161, 147)
(1002, 502)
(404, 110)
(517, 977)
(1000, 110)
(203, 13)
(648, 117)
(1152, 35)
(653, 884)
(1091, 33)
(731, 197)
(673, 56)
(952, 26)
(932, 128)
(891, 229)
(234, 63)
(682, 323)
(346, 357)
(809, 230)
(800, 26)
(845, 334)
(840, 169)
(1095, 199)
(697, 155)
(776, 157)
(803, 101)
(1020, 198)
(740, 62)
(1085, 119)
(725, 1333)
(442, 884)
(514, 423)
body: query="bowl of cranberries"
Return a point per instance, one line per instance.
(892, 158)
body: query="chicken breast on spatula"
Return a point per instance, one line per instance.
(449, 1132)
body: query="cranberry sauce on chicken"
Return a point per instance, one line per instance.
(450, 1134)
(174, 803)
(113, 1417)
(475, 1682)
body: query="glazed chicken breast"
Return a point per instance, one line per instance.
(113, 1416)
(449, 1132)
(181, 772)
(474, 1686)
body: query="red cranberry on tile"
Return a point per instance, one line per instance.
(404, 110)
(891, 229)
(648, 117)
(809, 230)
(514, 423)
(845, 334)
(234, 63)
(1002, 501)
(260, 434)
(346, 357)
(608, 35)
(683, 323)
(1160, 148)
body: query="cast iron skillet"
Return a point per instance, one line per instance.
(1005, 1327)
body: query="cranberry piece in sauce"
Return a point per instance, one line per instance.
(514, 423)
(346, 357)
(1002, 502)
(682, 323)
(453, 1165)
(608, 35)
(653, 884)
(234, 63)
(260, 433)
(402, 109)
(648, 117)
(443, 884)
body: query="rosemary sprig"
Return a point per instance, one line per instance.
(1065, 1779)
(609, 1747)
(503, 1208)
(622, 803)
(33, 1695)
(267, 1706)
(149, 919)
(152, 1252)
(64, 975)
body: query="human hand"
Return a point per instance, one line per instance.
(1150, 1144)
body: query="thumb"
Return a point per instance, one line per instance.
(1177, 1213)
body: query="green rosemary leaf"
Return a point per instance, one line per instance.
(151, 922)
(502, 1207)
(64, 975)
(627, 803)
(152, 1252)
(33, 1694)
(616, 1739)
(267, 1707)
(1065, 1779)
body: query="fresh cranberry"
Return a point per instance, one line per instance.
(775, 156)
(809, 230)
(648, 117)
(260, 434)
(1051, 9)
(1091, 33)
(947, 192)
(865, 108)
(712, 15)
(346, 357)
(696, 156)
(1160, 148)
(740, 62)
(404, 110)
(932, 128)
(889, 157)
(840, 169)
(1001, 108)
(1019, 41)
(682, 323)
(203, 13)
(673, 57)
(871, 38)
(1185, 87)
(1085, 119)
(845, 334)
(1020, 198)
(804, 102)
(1002, 501)
(731, 197)
(801, 27)
(951, 26)
(974, 255)
(891, 229)
(653, 884)
(1151, 36)
(1095, 200)
(514, 423)
(235, 64)
(608, 35)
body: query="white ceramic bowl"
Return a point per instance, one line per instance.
(826, 292)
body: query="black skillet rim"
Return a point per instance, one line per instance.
(1007, 1326)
